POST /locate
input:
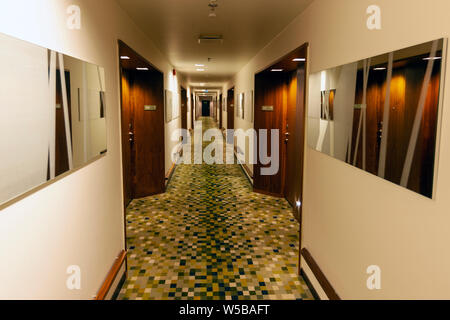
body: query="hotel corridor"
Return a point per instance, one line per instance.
(210, 237)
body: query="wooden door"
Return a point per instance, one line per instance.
(183, 108)
(295, 128)
(280, 105)
(230, 109)
(270, 101)
(142, 134)
(149, 175)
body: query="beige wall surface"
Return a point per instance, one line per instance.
(79, 219)
(353, 219)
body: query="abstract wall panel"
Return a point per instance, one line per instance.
(381, 114)
(52, 115)
(241, 106)
(169, 105)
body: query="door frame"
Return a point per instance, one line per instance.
(286, 62)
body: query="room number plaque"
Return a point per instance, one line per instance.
(149, 108)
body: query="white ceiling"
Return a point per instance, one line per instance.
(246, 25)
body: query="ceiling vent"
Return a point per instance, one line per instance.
(210, 39)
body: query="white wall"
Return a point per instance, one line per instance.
(353, 219)
(77, 220)
(171, 83)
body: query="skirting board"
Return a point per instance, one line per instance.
(172, 169)
(170, 174)
(117, 284)
(113, 278)
(315, 278)
(244, 168)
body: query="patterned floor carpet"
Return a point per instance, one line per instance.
(210, 237)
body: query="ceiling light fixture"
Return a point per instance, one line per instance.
(379, 68)
(142, 69)
(200, 70)
(434, 58)
(199, 65)
(125, 57)
(299, 59)
(276, 70)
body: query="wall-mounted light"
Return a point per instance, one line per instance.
(299, 60)
(276, 70)
(125, 57)
(142, 69)
(298, 204)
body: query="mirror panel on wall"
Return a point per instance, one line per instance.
(389, 133)
(52, 116)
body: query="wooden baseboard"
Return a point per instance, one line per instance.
(116, 293)
(319, 275)
(247, 169)
(170, 173)
(244, 167)
(172, 169)
(309, 284)
(111, 277)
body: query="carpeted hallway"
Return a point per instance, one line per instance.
(210, 237)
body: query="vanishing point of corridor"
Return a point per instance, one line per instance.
(210, 237)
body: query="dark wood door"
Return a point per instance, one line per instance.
(270, 93)
(230, 109)
(149, 176)
(142, 133)
(279, 105)
(183, 108)
(295, 126)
